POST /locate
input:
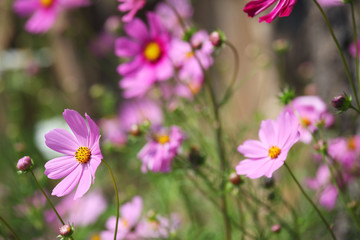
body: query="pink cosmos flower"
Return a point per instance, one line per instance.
(130, 6)
(130, 214)
(352, 48)
(310, 111)
(346, 151)
(282, 8)
(330, 3)
(322, 184)
(81, 151)
(148, 50)
(137, 111)
(80, 212)
(267, 155)
(160, 150)
(44, 12)
(112, 131)
(158, 227)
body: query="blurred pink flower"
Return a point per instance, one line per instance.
(346, 151)
(82, 154)
(130, 6)
(169, 18)
(352, 48)
(330, 3)
(80, 212)
(160, 150)
(112, 131)
(322, 184)
(137, 111)
(282, 8)
(130, 214)
(37, 201)
(44, 12)
(148, 49)
(158, 227)
(310, 111)
(267, 155)
(103, 44)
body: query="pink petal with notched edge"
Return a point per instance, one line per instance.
(60, 167)
(41, 21)
(253, 8)
(94, 133)
(77, 124)
(94, 163)
(124, 47)
(26, 7)
(137, 29)
(61, 141)
(253, 149)
(84, 183)
(267, 132)
(69, 182)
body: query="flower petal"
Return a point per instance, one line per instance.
(26, 7)
(41, 21)
(94, 133)
(268, 132)
(68, 183)
(84, 183)
(61, 141)
(253, 149)
(60, 167)
(137, 29)
(124, 47)
(78, 125)
(251, 168)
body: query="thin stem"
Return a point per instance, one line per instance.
(47, 198)
(9, 227)
(229, 90)
(117, 198)
(340, 52)
(311, 202)
(355, 109)
(355, 42)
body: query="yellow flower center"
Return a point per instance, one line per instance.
(46, 3)
(96, 237)
(351, 143)
(83, 154)
(305, 122)
(190, 54)
(152, 51)
(274, 152)
(194, 87)
(125, 222)
(163, 139)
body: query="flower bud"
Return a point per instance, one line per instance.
(24, 164)
(215, 38)
(281, 46)
(135, 130)
(235, 179)
(286, 96)
(341, 103)
(65, 230)
(276, 228)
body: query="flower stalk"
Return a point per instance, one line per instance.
(9, 227)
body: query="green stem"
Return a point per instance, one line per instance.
(47, 198)
(229, 91)
(355, 42)
(117, 198)
(9, 227)
(340, 52)
(311, 202)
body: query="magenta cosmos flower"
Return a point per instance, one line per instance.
(130, 214)
(311, 111)
(130, 6)
(352, 48)
(148, 50)
(81, 151)
(282, 8)
(44, 12)
(267, 155)
(161, 149)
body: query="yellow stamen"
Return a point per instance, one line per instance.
(83, 154)
(190, 54)
(305, 122)
(96, 237)
(351, 144)
(274, 152)
(152, 51)
(194, 88)
(46, 3)
(163, 139)
(125, 222)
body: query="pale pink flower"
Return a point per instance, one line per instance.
(267, 155)
(330, 3)
(159, 152)
(112, 131)
(81, 151)
(158, 227)
(44, 12)
(148, 50)
(282, 8)
(130, 6)
(80, 212)
(311, 111)
(346, 151)
(130, 214)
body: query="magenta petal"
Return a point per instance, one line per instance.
(61, 141)
(74, 3)
(137, 29)
(154, 24)
(130, 67)
(26, 7)
(93, 165)
(253, 149)
(41, 21)
(124, 47)
(268, 132)
(164, 69)
(84, 183)
(68, 183)
(253, 8)
(249, 167)
(60, 167)
(94, 132)
(275, 165)
(77, 124)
